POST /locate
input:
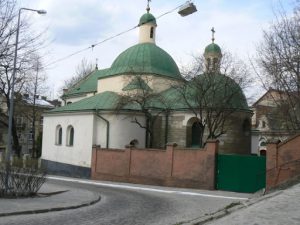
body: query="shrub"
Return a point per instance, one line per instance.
(19, 181)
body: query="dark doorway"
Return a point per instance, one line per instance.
(197, 134)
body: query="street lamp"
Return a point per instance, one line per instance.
(11, 103)
(187, 9)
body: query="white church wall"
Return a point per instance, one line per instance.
(80, 153)
(117, 83)
(121, 131)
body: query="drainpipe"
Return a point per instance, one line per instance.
(107, 127)
(167, 127)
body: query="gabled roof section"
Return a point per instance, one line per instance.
(137, 84)
(87, 84)
(103, 101)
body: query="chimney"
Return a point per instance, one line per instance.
(65, 90)
(44, 98)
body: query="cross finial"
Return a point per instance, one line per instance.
(148, 6)
(96, 63)
(213, 34)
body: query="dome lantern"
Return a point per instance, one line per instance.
(213, 55)
(147, 25)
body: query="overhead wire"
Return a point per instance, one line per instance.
(105, 40)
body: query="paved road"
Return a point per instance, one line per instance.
(124, 206)
(282, 208)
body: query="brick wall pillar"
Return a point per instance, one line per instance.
(212, 147)
(94, 160)
(170, 154)
(271, 164)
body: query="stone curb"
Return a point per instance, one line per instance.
(51, 209)
(235, 206)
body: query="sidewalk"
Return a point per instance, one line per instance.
(280, 207)
(51, 198)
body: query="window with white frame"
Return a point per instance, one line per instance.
(70, 135)
(58, 135)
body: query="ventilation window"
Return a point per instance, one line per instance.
(151, 32)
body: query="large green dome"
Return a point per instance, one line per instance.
(147, 18)
(145, 58)
(213, 48)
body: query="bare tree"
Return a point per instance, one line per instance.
(151, 104)
(279, 65)
(29, 43)
(83, 69)
(34, 87)
(213, 96)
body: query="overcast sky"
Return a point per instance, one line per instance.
(73, 25)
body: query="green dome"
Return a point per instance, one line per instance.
(220, 91)
(213, 48)
(145, 58)
(147, 18)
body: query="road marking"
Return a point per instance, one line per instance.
(145, 188)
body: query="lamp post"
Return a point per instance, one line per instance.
(11, 102)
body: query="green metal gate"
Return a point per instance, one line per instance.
(241, 173)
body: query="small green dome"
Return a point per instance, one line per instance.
(145, 58)
(147, 18)
(213, 48)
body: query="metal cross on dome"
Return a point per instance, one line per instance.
(213, 34)
(148, 6)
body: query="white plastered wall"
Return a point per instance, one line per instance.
(80, 153)
(117, 83)
(121, 130)
(89, 130)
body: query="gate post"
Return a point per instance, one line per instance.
(212, 147)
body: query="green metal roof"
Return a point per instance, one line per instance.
(209, 90)
(213, 48)
(145, 58)
(87, 84)
(137, 83)
(103, 101)
(147, 18)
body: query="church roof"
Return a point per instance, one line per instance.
(147, 18)
(137, 83)
(145, 58)
(212, 48)
(87, 84)
(103, 101)
(210, 90)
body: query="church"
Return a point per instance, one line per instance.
(139, 101)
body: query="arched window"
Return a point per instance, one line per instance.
(151, 32)
(70, 135)
(58, 135)
(194, 133)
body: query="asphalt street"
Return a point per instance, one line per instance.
(133, 204)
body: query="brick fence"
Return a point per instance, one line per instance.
(283, 162)
(193, 168)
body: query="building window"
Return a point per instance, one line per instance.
(70, 136)
(151, 32)
(58, 135)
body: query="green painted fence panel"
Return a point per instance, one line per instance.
(241, 173)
